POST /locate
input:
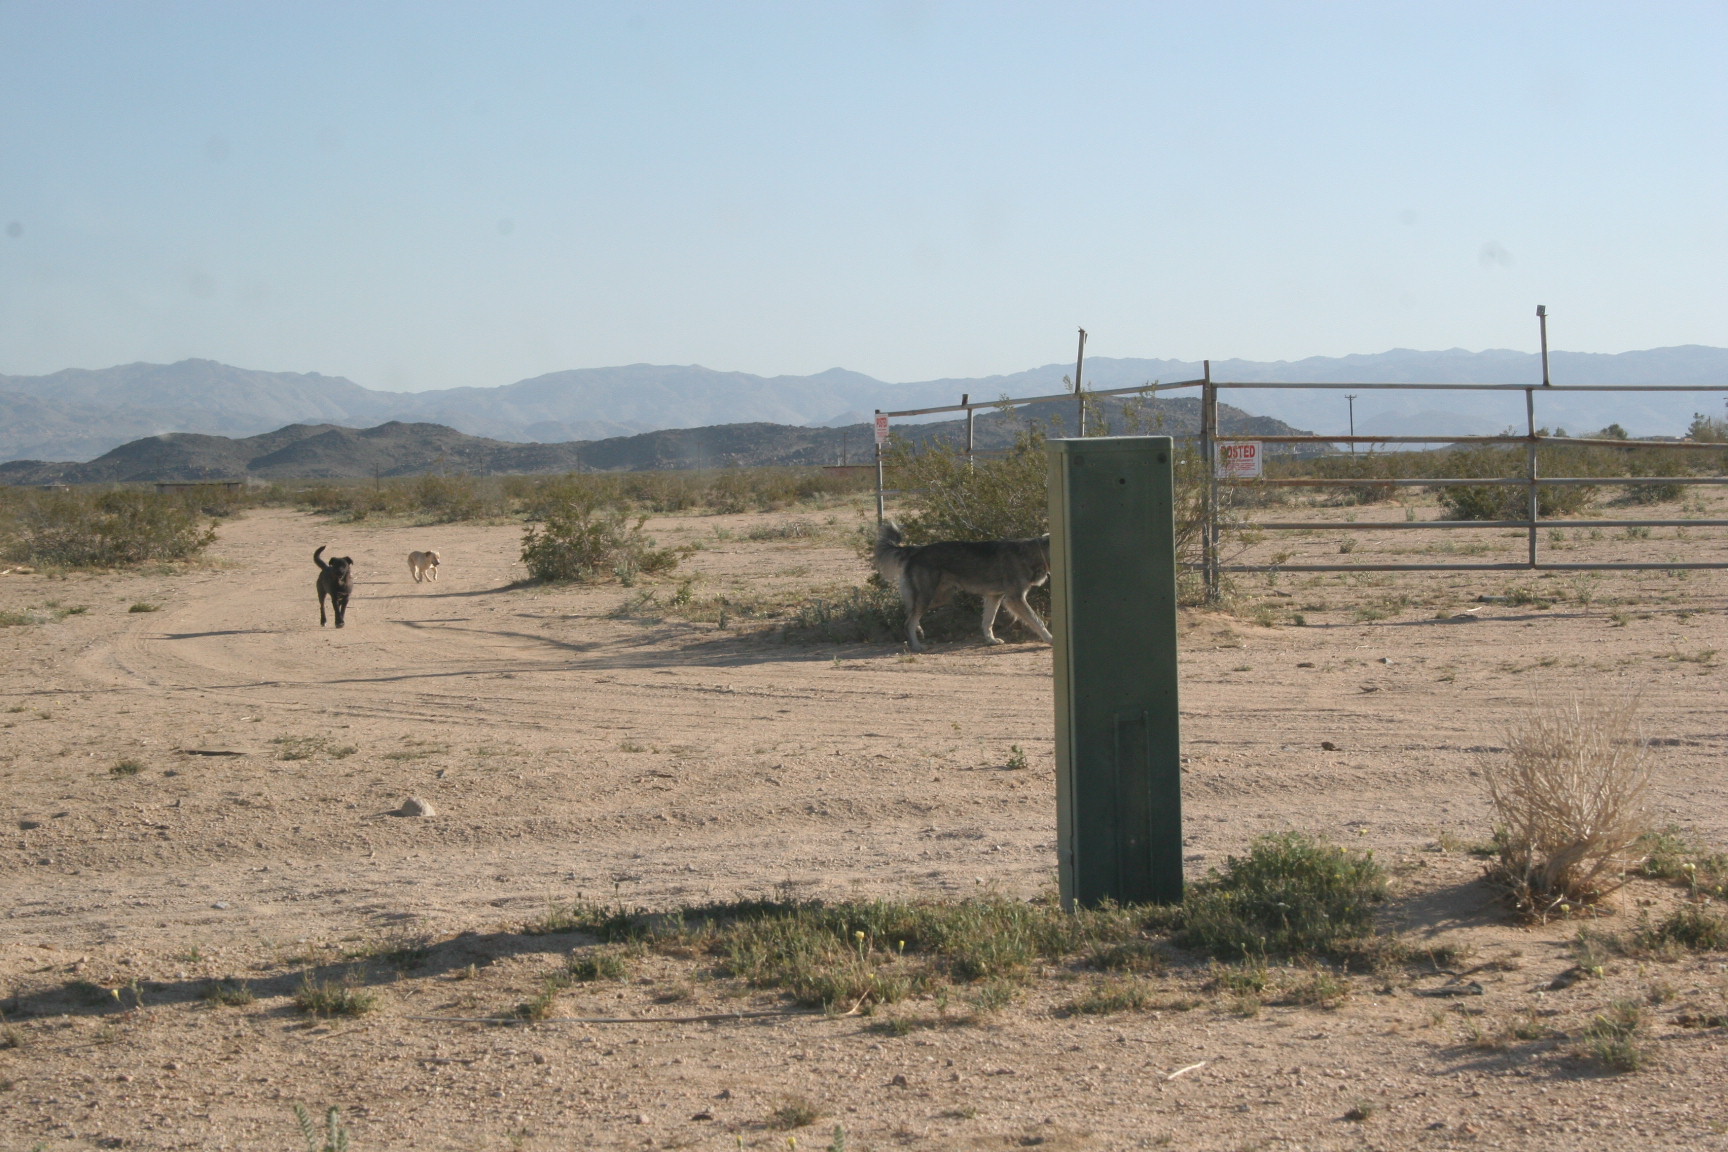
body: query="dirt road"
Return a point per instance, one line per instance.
(206, 790)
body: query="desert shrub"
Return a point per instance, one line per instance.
(451, 499)
(582, 542)
(1569, 801)
(1291, 895)
(83, 528)
(859, 615)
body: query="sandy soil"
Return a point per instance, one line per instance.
(573, 750)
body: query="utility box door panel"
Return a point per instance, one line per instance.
(1118, 738)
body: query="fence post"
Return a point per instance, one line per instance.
(1209, 506)
(881, 504)
(1530, 467)
(966, 399)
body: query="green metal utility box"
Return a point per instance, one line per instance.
(1118, 733)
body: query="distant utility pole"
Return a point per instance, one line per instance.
(1352, 400)
(1079, 365)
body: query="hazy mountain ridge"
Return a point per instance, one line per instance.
(79, 413)
(397, 448)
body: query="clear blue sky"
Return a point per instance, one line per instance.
(425, 195)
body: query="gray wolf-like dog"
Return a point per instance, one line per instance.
(423, 565)
(1001, 571)
(335, 580)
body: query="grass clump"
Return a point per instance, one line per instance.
(583, 542)
(1692, 927)
(598, 965)
(126, 767)
(794, 1112)
(1614, 1039)
(328, 998)
(1569, 798)
(1291, 895)
(1669, 855)
(228, 994)
(142, 606)
(1110, 997)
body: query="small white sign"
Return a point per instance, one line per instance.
(1239, 460)
(881, 429)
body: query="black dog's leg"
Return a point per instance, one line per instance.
(340, 603)
(321, 594)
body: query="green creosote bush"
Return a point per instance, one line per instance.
(1291, 895)
(583, 542)
(85, 528)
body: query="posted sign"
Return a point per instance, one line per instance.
(881, 429)
(1239, 460)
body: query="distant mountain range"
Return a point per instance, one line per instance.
(78, 414)
(330, 451)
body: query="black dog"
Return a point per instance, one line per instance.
(335, 580)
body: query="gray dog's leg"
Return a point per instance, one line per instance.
(991, 604)
(1018, 607)
(914, 612)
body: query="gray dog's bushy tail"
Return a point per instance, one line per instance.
(890, 551)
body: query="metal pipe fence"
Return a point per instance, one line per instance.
(1212, 566)
(1532, 523)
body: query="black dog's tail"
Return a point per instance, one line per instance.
(318, 557)
(890, 554)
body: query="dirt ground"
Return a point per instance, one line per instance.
(205, 791)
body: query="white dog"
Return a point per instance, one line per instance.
(423, 565)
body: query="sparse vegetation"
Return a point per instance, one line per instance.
(598, 964)
(1112, 996)
(142, 606)
(332, 1138)
(1291, 895)
(1569, 801)
(1614, 1039)
(795, 1112)
(1693, 927)
(127, 767)
(328, 998)
(228, 993)
(99, 528)
(306, 747)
